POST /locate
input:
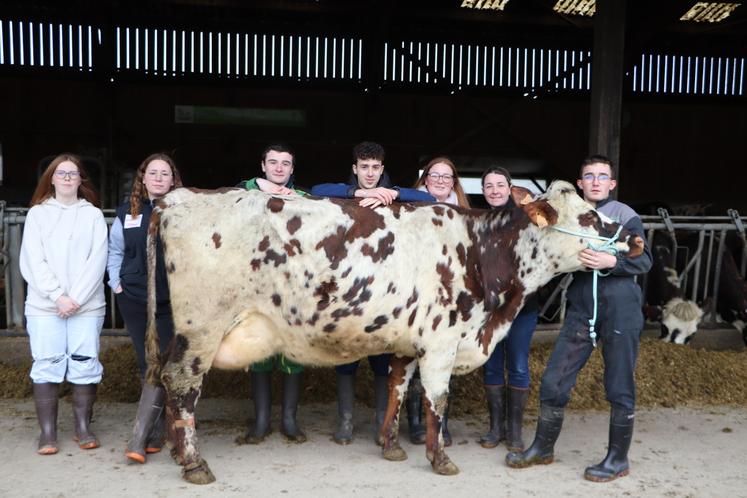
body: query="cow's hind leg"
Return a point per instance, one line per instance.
(435, 378)
(400, 372)
(182, 376)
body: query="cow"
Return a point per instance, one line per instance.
(326, 282)
(731, 305)
(665, 300)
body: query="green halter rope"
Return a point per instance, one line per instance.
(608, 246)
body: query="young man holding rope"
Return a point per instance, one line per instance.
(603, 305)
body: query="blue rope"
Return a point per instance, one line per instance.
(608, 246)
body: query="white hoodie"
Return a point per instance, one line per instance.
(64, 252)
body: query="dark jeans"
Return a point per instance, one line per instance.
(619, 343)
(516, 344)
(379, 364)
(135, 315)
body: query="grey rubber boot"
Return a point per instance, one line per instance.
(84, 396)
(149, 409)
(496, 409)
(549, 423)
(517, 401)
(46, 400)
(262, 404)
(445, 424)
(381, 398)
(615, 464)
(345, 403)
(291, 394)
(413, 405)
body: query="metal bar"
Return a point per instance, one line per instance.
(696, 274)
(15, 281)
(708, 263)
(717, 274)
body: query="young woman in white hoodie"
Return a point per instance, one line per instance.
(63, 258)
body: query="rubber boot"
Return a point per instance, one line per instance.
(549, 423)
(291, 394)
(46, 399)
(149, 408)
(381, 399)
(517, 401)
(262, 404)
(84, 395)
(445, 424)
(496, 409)
(345, 402)
(157, 435)
(615, 464)
(414, 405)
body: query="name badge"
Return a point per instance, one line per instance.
(131, 222)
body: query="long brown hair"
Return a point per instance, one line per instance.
(45, 189)
(138, 187)
(457, 187)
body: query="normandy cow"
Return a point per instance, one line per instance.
(665, 300)
(325, 282)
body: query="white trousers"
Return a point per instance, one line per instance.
(65, 348)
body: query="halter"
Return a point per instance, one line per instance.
(608, 246)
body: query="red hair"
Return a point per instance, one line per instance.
(138, 188)
(457, 187)
(45, 189)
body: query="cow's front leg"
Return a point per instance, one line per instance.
(436, 393)
(182, 377)
(401, 369)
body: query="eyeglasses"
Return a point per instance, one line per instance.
(62, 174)
(589, 177)
(446, 177)
(164, 174)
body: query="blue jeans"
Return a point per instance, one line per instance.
(379, 364)
(65, 348)
(512, 352)
(619, 343)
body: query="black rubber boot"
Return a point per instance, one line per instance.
(46, 399)
(615, 464)
(149, 408)
(541, 451)
(345, 403)
(84, 395)
(381, 398)
(445, 424)
(291, 394)
(496, 409)
(413, 404)
(262, 405)
(517, 401)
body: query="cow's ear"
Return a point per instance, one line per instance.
(521, 195)
(541, 213)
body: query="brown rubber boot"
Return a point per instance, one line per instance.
(84, 395)
(46, 399)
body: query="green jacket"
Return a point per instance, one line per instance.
(252, 185)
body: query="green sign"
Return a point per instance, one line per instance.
(243, 116)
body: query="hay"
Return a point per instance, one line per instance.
(668, 375)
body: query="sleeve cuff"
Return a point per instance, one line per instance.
(55, 295)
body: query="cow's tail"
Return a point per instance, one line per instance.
(152, 346)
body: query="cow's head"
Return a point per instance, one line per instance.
(561, 207)
(679, 320)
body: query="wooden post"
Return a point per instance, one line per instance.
(607, 80)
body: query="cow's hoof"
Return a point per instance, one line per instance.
(445, 467)
(394, 454)
(198, 473)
